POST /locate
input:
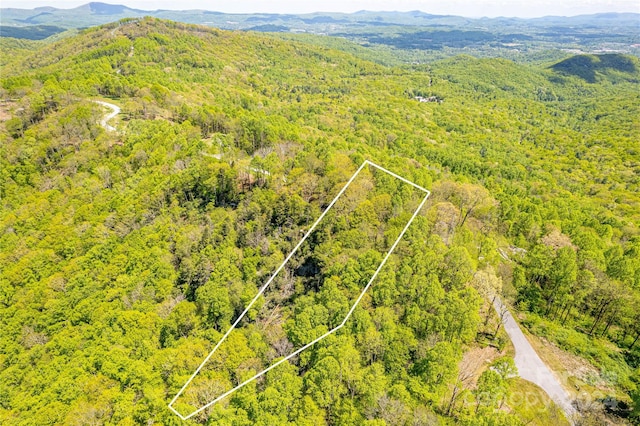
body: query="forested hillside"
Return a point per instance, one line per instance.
(411, 36)
(124, 255)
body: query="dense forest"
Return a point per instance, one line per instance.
(388, 37)
(125, 255)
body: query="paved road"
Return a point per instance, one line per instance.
(530, 366)
(115, 110)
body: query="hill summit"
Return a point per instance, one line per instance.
(128, 247)
(591, 68)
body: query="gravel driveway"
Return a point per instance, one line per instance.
(105, 120)
(530, 366)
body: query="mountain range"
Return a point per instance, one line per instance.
(414, 30)
(129, 244)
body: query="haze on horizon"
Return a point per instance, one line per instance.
(468, 8)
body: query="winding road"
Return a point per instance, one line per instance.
(530, 366)
(115, 110)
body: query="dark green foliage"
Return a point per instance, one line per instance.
(34, 32)
(590, 67)
(125, 255)
(436, 40)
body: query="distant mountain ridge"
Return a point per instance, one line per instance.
(94, 13)
(110, 9)
(412, 31)
(123, 253)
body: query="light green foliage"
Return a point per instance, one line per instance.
(125, 255)
(505, 366)
(491, 389)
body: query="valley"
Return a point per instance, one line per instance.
(145, 198)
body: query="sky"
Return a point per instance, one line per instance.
(469, 8)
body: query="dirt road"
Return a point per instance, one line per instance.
(115, 110)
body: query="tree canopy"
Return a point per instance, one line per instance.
(124, 256)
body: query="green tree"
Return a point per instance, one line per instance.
(490, 391)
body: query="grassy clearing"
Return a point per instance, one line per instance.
(586, 366)
(532, 404)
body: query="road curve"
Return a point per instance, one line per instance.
(530, 366)
(115, 110)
